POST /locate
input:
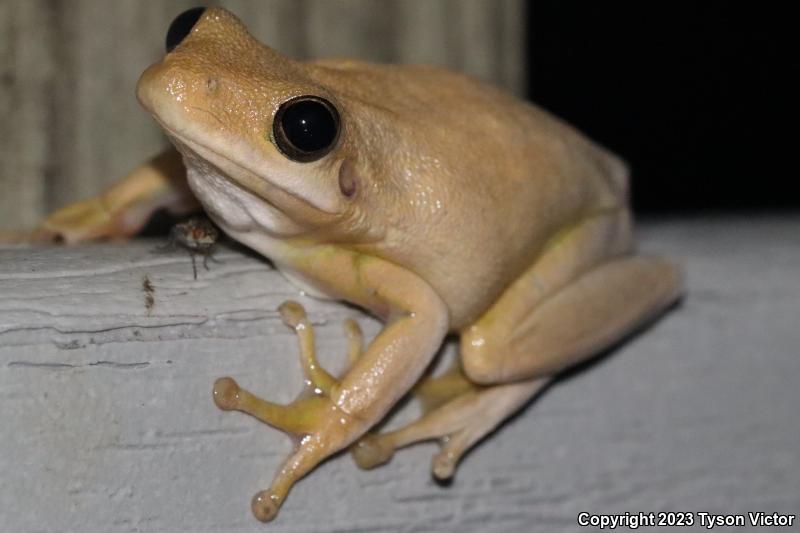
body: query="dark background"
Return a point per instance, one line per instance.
(699, 97)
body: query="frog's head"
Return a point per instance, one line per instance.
(270, 144)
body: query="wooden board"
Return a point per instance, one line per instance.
(108, 423)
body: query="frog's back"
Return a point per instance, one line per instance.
(517, 141)
(492, 178)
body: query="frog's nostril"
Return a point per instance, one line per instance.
(182, 25)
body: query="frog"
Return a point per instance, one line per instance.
(437, 202)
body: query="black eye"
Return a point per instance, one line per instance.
(306, 128)
(182, 25)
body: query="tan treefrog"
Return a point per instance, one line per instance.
(437, 202)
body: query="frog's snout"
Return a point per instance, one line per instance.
(182, 25)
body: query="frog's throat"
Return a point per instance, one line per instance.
(234, 207)
(213, 177)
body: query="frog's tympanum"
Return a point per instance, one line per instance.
(435, 201)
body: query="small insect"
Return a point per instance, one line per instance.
(198, 235)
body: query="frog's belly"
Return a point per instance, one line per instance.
(248, 220)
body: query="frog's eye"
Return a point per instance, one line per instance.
(182, 25)
(306, 128)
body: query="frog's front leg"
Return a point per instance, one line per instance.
(340, 411)
(124, 208)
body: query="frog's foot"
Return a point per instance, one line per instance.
(123, 209)
(317, 425)
(19, 236)
(74, 223)
(70, 224)
(86, 220)
(458, 424)
(99, 217)
(374, 450)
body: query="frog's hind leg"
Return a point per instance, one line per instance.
(592, 313)
(457, 424)
(584, 293)
(587, 316)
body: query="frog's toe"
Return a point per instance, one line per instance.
(292, 313)
(355, 341)
(454, 446)
(443, 465)
(294, 316)
(372, 451)
(265, 506)
(226, 394)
